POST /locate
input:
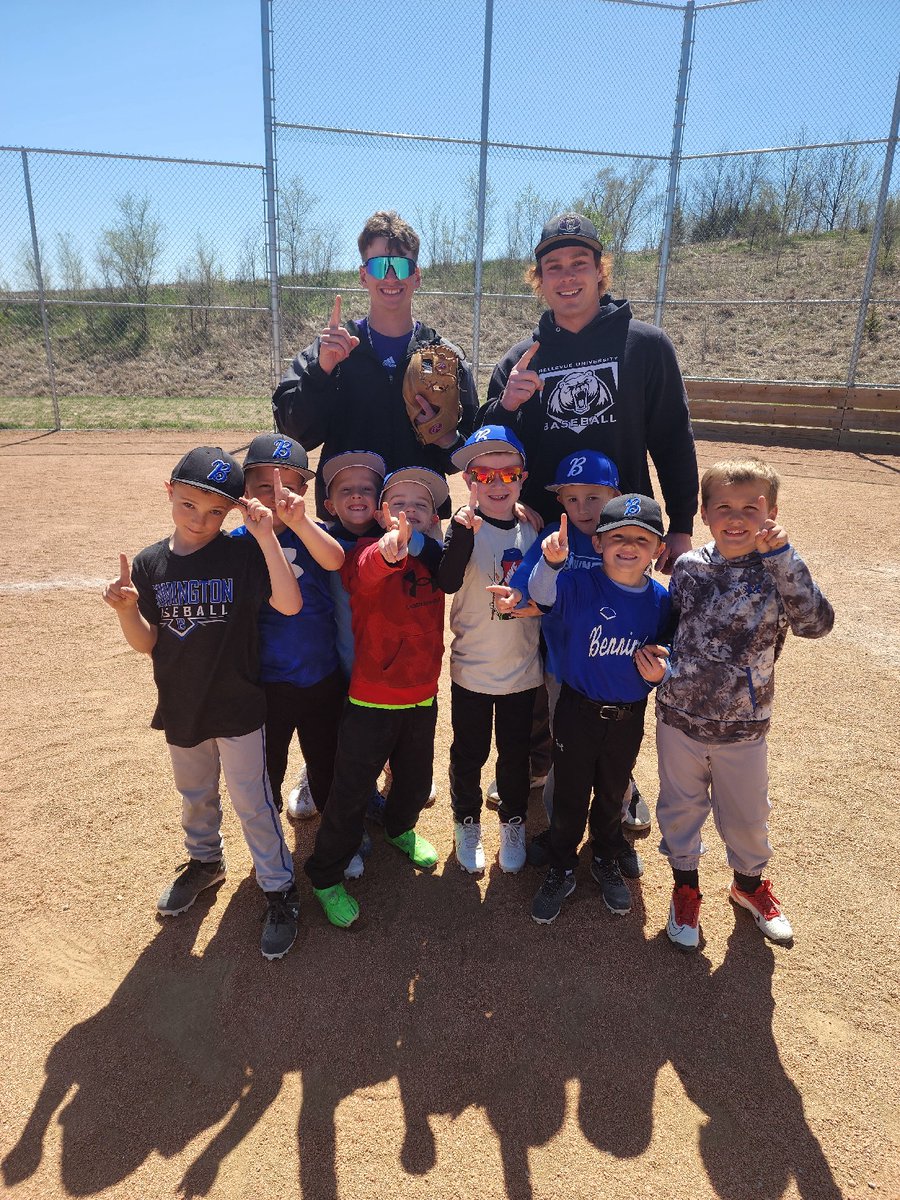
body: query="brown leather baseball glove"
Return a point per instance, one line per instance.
(432, 374)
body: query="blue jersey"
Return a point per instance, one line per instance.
(605, 624)
(301, 649)
(582, 556)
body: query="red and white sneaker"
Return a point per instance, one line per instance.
(684, 917)
(765, 909)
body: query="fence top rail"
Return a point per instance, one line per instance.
(784, 392)
(48, 300)
(192, 162)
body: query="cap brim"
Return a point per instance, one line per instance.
(568, 239)
(430, 480)
(464, 455)
(208, 487)
(352, 458)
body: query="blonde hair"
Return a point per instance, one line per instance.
(388, 224)
(740, 470)
(604, 261)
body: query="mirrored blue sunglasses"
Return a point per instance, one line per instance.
(379, 266)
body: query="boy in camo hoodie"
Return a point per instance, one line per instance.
(734, 600)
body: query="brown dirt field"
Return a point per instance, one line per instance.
(447, 1045)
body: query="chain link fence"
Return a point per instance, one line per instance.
(737, 157)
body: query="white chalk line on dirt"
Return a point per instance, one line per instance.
(68, 583)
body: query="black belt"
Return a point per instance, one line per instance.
(606, 712)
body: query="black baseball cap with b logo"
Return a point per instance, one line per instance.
(275, 450)
(211, 469)
(568, 229)
(632, 509)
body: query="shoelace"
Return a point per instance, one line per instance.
(766, 901)
(687, 906)
(554, 881)
(515, 833)
(471, 836)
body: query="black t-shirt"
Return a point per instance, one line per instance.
(206, 658)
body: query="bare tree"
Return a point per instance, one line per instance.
(619, 202)
(70, 263)
(295, 206)
(128, 253)
(28, 267)
(201, 279)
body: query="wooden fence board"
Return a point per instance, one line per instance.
(766, 414)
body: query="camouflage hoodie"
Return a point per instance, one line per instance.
(733, 616)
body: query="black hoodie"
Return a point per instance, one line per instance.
(615, 386)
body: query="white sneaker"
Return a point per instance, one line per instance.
(683, 927)
(765, 909)
(469, 849)
(492, 796)
(301, 805)
(512, 846)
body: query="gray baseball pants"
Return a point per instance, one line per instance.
(731, 780)
(243, 762)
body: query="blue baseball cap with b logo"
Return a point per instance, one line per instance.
(632, 509)
(585, 466)
(211, 469)
(489, 439)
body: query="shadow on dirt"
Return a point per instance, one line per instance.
(463, 1002)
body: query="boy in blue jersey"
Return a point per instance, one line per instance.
(614, 616)
(299, 667)
(584, 484)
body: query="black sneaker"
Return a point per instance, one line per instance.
(637, 815)
(556, 887)
(613, 887)
(537, 853)
(280, 930)
(630, 863)
(193, 877)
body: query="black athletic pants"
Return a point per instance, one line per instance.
(473, 715)
(314, 712)
(367, 739)
(590, 753)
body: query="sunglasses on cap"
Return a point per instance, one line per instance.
(489, 474)
(379, 266)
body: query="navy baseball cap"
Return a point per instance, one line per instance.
(433, 483)
(568, 229)
(489, 439)
(632, 509)
(585, 466)
(211, 469)
(272, 449)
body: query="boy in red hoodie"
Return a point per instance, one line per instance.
(397, 612)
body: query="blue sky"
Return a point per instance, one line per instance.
(181, 78)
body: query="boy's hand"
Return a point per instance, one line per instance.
(395, 541)
(335, 342)
(651, 663)
(524, 513)
(771, 536)
(522, 382)
(555, 548)
(120, 594)
(506, 598)
(290, 506)
(467, 516)
(258, 519)
(674, 546)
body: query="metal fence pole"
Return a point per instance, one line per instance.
(482, 180)
(270, 189)
(684, 71)
(877, 226)
(39, 279)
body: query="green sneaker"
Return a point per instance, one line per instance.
(419, 852)
(340, 907)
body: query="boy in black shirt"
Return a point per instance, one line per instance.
(191, 602)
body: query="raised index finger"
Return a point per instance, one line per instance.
(335, 319)
(563, 528)
(387, 516)
(522, 364)
(124, 569)
(473, 496)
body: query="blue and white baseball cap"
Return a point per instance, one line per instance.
(585, 466)
(276, 450)
(489, 439)
(211, 469)
(433, 483)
